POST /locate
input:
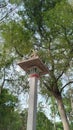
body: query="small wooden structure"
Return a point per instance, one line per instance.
(34, 62)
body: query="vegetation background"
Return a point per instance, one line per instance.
(47, 27)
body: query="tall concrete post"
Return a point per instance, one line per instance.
(34, 68)
(31, 121)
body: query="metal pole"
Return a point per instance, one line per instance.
(31, 121)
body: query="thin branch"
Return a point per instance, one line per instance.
(60, 75)
(67, 64)
(70, 82)
(3, 80)
(3, 6)
(10, 80)
(18, 52)
(7, 14)
(47, 86)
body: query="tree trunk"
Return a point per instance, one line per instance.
(62, 113)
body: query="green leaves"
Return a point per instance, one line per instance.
(46, 26)
(17, 37)
(43, 123)
(15, 1)
(9, 118)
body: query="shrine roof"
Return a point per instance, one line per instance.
(34, 62)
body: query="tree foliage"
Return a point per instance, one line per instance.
(9, 118)
(45, 26)
(43, 123)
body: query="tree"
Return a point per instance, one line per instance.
(9, 118)
(43, 122)
(50, 24)
(53, 29)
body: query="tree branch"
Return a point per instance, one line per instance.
(3, 81)
(47, 86)
(70, 82)
(60, 75)
(1, 20)
(2, 6)
(67, 64)
(18, 52)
